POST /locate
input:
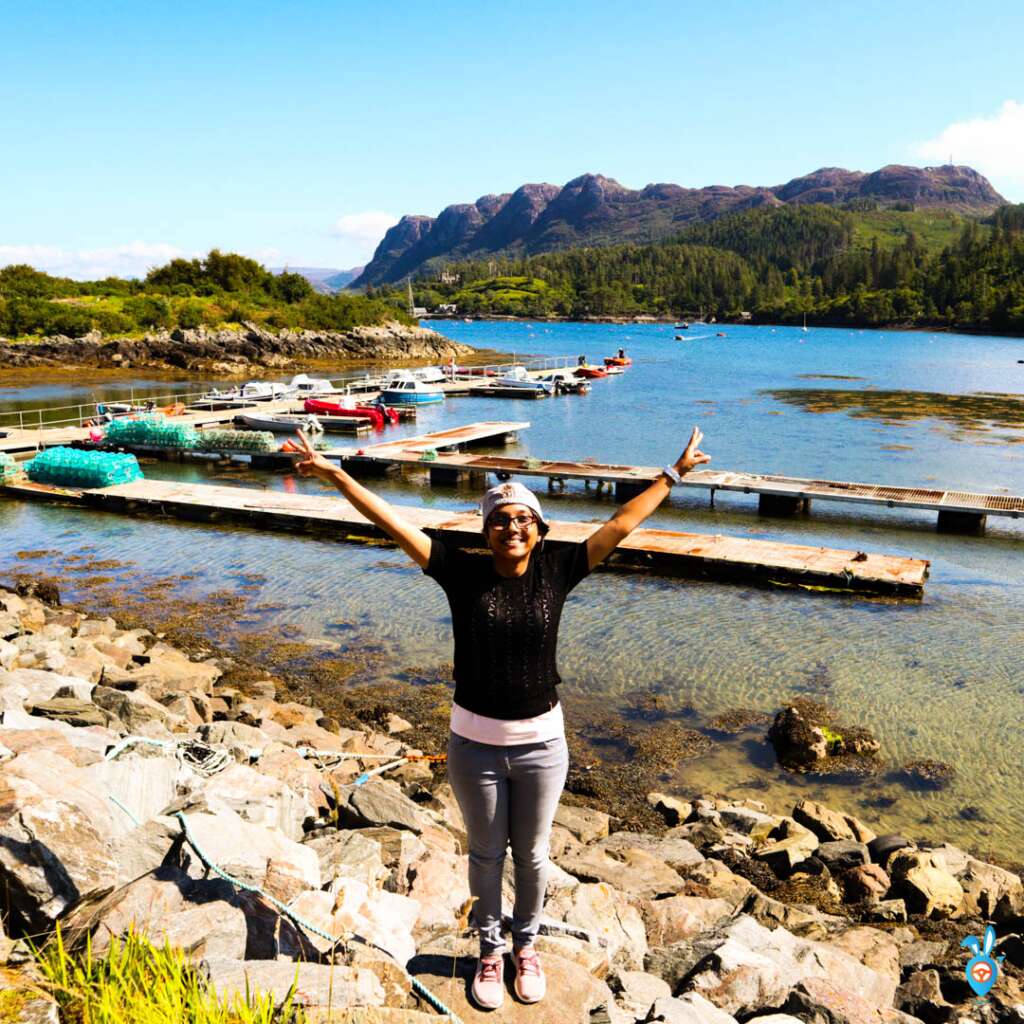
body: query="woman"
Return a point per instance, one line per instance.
(507, 755)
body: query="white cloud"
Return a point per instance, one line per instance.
(362, 231)
(130, 260)
(992, 145)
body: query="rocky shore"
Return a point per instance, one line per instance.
(234, 352)
(283, 849)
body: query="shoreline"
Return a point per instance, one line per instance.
(620, 748)
(635, 910)
(231, 353)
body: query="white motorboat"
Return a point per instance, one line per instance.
(280, 424)
(306, 387)
(427, 374)
(264, 390)
(518, 377)
(566, 382)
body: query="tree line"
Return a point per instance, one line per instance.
(217, 291)
(778, 264)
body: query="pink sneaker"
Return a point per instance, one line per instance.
(530, 983)
(488, 989)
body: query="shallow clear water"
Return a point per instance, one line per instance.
(940, 678)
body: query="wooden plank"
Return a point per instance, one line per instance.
(471, 433)
(663, 551)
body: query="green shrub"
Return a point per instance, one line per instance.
(190, 315)
(148, 311)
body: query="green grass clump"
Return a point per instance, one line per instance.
(139, 983)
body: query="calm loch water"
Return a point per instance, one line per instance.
(942, 678)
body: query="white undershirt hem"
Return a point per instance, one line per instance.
(500, 732)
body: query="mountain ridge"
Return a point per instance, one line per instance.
(592, 209)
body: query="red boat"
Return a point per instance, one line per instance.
(590, 371)
(617, 361)
(320, 405)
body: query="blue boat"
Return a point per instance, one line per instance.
(410, 391)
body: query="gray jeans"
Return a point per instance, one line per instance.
(508, 797)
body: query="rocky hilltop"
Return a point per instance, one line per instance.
(234, 351)
(594, 210)
(279, 846)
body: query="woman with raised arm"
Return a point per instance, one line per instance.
(507, 755)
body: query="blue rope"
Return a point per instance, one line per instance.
(117, 803)
(417, 985)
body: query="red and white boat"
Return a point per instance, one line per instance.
(617, 361)
(590, 372)
(377, 415)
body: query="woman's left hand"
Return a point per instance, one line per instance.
(692, 455)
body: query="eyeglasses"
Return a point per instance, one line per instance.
(503, 522)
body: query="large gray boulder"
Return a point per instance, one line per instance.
(926, 887)
(689, 1008)
(604, 915)
(52, 854)
(351, 908)
(380, 802)
(312, 985)
(350, 854)
(143, 781)
(678, 853)
(573, 992)
(829, 825)
(751, 967)
(585, 823)
(257, 798)
(682, 917)
(628, 870)
(256, 855)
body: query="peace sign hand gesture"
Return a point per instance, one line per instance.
(692, 455)
(312, 463)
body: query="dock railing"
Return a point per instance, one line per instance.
(57, 416)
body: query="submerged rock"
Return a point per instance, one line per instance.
(806, 737)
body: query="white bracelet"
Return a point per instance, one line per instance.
(673, 477)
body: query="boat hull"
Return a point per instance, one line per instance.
(389, 397)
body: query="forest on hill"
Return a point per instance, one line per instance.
(862, 267)
(219, 291)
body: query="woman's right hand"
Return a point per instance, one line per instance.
(312, 463)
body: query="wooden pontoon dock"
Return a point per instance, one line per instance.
(661, 551)
(958, 511)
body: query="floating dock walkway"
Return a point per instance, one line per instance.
(958, 511)
(662, 551)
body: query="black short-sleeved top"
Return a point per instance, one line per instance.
(506, 630)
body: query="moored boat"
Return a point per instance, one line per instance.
(591, 372)
(518, 377)
(265, 390)
(566, 383)
(280, 424)
(304, 386)
(619, 359)
(322, 405)
(411, 391)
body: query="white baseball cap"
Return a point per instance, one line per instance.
(511, 493)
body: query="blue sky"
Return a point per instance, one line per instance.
(295, 131)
